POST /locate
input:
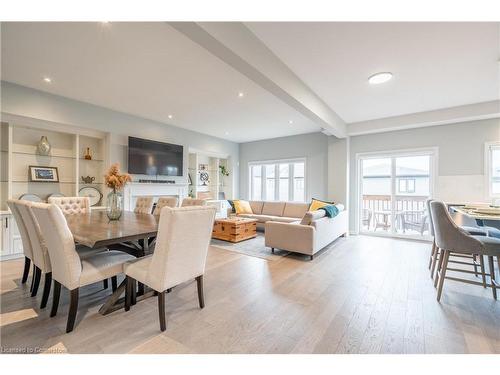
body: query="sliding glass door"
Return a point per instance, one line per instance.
(393, 190)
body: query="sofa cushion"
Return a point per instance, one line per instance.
(293, 209)
(242, 207)
(317, 204)
(283, 219)
(310, 216)
(273, 208)
(260, 218)
(256, 206)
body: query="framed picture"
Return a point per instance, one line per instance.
(43, 174)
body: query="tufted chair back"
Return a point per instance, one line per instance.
(193, 202)
(143, 205)
(181, 246)
(41, 257)
(13, 205)
(72, 205)
(66, 265)
(165, 202)
(448, 235)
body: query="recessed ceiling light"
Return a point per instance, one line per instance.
(241, 95)
(290, 122)
(226, 133)
(170, 116)
(378, 78)
(47, 79)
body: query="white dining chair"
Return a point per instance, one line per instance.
(68, 269)
(165, 202)
(27, 250)
(72, 205)
(451, 239)
(186, 202)
(180, 255)
(143, 205)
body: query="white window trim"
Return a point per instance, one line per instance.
(392, 153)
(488, 166)
(290, 178)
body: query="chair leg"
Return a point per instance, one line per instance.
(55, 298)
(434, 261)
(133, 290)
(311, 257)
(105, 284)
(26, 271)
(442, 274)
(440, 264)
(492, 276)
(73, 307)
(161, 310)
(483, 272)
(431, 257)
(46, 289)
(201, 297)
(36, 282)
(114, 283)
(128, 293)
(272, 250)
(474, 261)
(32, 278)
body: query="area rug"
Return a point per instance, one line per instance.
(254, 247)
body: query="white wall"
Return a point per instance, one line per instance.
(313, 147)
(23, 101)
(460, 156)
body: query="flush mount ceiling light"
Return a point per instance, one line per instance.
(241, 95)
(170, 116)
(290, 122)
(47, 79)
(378, 78)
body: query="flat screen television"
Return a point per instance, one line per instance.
(154, 158)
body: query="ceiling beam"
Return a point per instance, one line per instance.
(469, 112)
(236, 45)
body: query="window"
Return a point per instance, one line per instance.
(493, 168)
(281, 180)
(406, 185)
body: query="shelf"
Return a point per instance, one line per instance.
(83, 159)
(43, 156)
(91, 183)
(42, 182)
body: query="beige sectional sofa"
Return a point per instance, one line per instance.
(290, 226)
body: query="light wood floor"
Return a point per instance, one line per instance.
(362, 295)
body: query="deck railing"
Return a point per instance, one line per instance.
(409, 209)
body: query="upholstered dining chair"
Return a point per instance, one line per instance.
(451, 239)
(68, 269)
(180, 254)
(28, 252)
(186, 202)
(165, 202)
(143, 205)
(72, 205)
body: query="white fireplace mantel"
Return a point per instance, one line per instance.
(133, 190)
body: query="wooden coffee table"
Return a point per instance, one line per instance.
(234, 229)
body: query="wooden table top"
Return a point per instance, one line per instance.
(470, 211)
(235, 220)
(96, 230)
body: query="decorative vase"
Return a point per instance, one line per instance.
(43, 146)
(88, 154)
(114, 205)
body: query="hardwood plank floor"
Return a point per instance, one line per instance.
(361, 295)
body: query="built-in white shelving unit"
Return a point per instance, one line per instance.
(216, 184)
(18, 151)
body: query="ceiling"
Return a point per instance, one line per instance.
(435, 65)
(152, 70)
(149, 70)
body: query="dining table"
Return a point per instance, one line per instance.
(132, 233)
(482, 218)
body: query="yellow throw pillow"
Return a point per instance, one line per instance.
(316, 204)
(242, 207)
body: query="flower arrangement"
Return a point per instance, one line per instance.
(114, 180)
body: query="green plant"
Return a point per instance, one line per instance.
(223, 170)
